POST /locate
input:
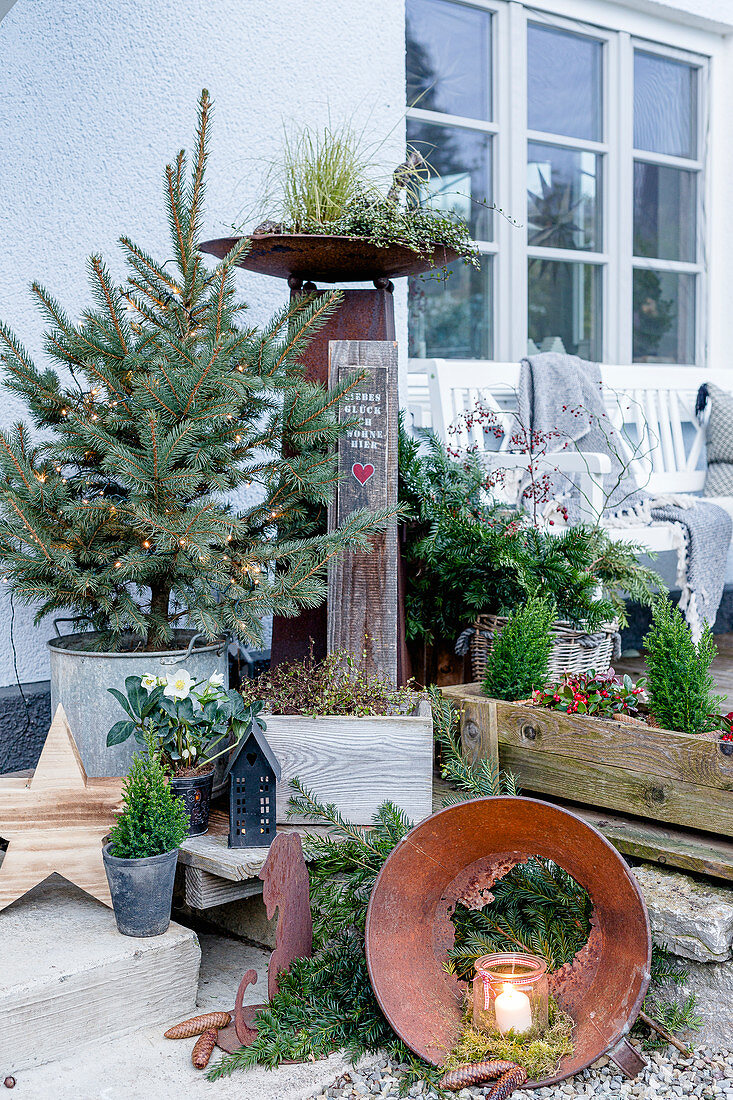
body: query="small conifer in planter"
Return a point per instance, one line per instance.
(169, 409)
(140, 858)
(518, 662)
(679, 683)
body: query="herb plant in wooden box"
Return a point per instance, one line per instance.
(657, 749)
(129, 511)
(350, 733)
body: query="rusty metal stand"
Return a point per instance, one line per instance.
(363, 315)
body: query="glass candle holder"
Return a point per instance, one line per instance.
(510, 993)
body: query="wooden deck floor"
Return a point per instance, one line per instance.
(722, 668)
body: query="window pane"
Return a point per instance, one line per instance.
(664, 317)
(462, 161)
(665, 105)
(564, 308)
(452, 319)
(563, 198)
(449, 58)
(564, 83)
(664, 212)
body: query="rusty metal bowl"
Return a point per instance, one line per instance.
(328, 259)
(456, 855)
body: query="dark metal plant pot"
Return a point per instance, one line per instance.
(142, 892)
(195, 792)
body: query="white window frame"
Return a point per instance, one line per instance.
(620, 31)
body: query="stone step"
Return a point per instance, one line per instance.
(68, 978)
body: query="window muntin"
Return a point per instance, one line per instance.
(449, 58)
(564, 79)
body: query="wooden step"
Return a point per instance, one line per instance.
(68, 978)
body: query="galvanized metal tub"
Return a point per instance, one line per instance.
(80, 677)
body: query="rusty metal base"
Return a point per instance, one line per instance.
(456, 856)
(228, 1039)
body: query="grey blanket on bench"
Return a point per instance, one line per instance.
(561, 399)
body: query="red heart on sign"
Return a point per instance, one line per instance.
(362, 473)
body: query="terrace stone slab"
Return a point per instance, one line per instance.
(68, 978)
(692, 919)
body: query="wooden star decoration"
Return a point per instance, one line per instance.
(56, 820)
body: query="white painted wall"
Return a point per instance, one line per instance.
(98, 96)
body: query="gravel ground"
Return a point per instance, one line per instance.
(669, 1074)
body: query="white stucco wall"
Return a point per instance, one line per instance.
(98, 96)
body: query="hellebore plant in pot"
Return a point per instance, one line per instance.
(140, 858)
(191, 725)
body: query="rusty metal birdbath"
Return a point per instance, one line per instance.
(457, 855)
(322, 258)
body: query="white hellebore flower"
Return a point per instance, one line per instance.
(217, 679)
(179, 685)
(149, 681)
(185, 754)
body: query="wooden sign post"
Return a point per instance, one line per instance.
(362, 587)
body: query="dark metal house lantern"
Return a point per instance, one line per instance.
(253, 772)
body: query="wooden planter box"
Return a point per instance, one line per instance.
(356, 763)
(653, 773)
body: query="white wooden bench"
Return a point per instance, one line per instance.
(655, 404)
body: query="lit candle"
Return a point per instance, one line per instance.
(513, 1010)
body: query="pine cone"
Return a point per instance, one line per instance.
(204, 1047)
(473, 1074)
(507, 1083)
(197, 1025)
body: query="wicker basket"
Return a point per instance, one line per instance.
(572, 652)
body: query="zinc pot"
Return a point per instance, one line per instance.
(142, 892)
(80, 676)
(195, 792)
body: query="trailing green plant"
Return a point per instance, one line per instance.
(326, 1002)
(469, 779)
(467, 557)
(153, 820)
(327, 182)
(679, 683)
(169, 405)
(518, 663)
(335, 685)
(663, 1004)
(601, 694)
(191, 723)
